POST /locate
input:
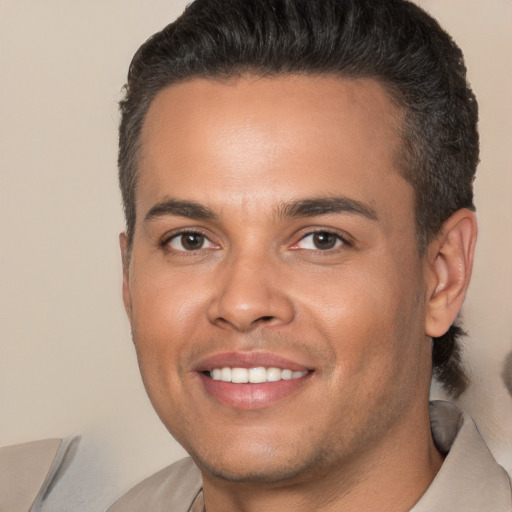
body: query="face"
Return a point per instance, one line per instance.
(274, 287)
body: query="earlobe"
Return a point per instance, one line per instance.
(450, 261)
(123, 244)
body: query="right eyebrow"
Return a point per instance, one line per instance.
(176, 207)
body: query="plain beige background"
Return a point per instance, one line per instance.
(66, 361)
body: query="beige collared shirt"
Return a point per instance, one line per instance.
(470, 480)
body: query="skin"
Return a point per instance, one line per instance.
(359, 315)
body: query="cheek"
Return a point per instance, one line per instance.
(370, 317)
(166, 316)
(166, 303)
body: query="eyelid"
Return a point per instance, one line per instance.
(345, 239)
(175, 234)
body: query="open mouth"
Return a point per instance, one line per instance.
(252, 380)
(256, 387)
(255, 375)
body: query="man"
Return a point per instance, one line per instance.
(297, 183)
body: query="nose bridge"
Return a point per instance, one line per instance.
(247, 293)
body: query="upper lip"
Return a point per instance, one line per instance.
(249, 360)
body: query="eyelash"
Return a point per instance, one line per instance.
(339, 242)
(175, 236)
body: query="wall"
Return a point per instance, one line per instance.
(66, 361)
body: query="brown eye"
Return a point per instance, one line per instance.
(190, 241)
(320, 241)
(324, 240)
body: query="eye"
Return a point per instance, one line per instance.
(320, 241)
(189, 241)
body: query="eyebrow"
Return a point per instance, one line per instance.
(312, 207)
(188, 209)
(309, 207)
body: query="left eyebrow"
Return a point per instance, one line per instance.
(311, 207)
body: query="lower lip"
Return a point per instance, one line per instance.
(251, 396)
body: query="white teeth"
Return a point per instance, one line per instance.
(273, 374)
(225, 374)
(257, 375)
(254, 375)
(239, 375)
(286, 374)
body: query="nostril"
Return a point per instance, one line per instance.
(266, 318)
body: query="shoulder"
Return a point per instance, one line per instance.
(470, 479)
(29, 471)
(173, 488)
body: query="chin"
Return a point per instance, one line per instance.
(265, 468)
(252, 475)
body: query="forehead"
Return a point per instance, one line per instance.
(251, 138)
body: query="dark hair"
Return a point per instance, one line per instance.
(392, 41)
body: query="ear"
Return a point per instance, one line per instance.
(450, 262)
(125, 257)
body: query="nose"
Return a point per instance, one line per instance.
(249, 293)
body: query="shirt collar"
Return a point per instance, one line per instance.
(470, 480)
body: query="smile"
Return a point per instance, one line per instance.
(252, 379)
(256, 375)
